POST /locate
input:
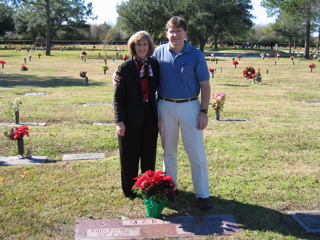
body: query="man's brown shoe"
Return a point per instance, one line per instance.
(204, 203)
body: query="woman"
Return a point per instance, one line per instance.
(136, 111)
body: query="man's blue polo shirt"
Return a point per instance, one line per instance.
(180, 73)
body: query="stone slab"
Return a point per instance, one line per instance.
(15, 160)
(309, 220)
(177, 227)
(229, 120)
(83, 156)
(96, 105)
(22, 124)
(315, 101)
(104, 124)
(36, 93)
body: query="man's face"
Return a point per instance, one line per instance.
(176, 35)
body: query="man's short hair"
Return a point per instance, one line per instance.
(177, 22)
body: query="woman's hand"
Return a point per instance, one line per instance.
(121, 128)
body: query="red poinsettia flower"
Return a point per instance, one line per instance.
(154, 185)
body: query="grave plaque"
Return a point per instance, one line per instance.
(35, 93)
(104, 124)
(309, 220)
(96, 105)
(83, 156)
(15, 160)
(22, 124)
(182, 226)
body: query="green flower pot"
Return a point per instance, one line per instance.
(154, 208)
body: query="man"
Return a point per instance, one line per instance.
(183, 73)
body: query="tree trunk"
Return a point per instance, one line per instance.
(48, 29)
(307, 39)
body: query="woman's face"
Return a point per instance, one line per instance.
(142, 48)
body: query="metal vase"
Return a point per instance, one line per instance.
(17, 116)
(217, 115)
(20, 146)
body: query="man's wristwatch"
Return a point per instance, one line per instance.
(204, 111)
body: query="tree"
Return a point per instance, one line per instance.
(6, 21)
(151, 16)
(65, 14)
(309, 10)
(209, 18)
(288, 26)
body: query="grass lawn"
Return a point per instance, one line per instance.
(258, 169)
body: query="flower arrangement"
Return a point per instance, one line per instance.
(24, 68)
(30, 57)
(262, 56)
(24, 60)
(212, 72)
(84, 53)
(3, 62)
(239, 57)
(212, 59)
(104, 68)
(257, 77)
(277, 55)
(292, 59)
(155, 186)
(39, 55)
(235, 63)
(268, 54)
(13, 110)
(218, 101)
(248, 72)
(83, 74)
(312, 66)
(105, 61)
(17, 133)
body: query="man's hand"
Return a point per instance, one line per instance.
(202, 121)
(115, 78)
(121, 128)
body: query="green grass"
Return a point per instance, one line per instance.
(258, 169)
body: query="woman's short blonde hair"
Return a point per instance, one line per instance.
(135, 38)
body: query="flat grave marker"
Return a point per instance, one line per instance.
(137, 228)
(312, 101)
(104, 124)
(36, 93)
(22, 124)
(229, 120)
(309, 220)
(15, 160)
(83, 156)
(97, 105)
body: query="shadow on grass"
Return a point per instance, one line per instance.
(248, 216)
(11, 80)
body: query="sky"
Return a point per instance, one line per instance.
(106, 12)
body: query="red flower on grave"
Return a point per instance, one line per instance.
(24, 68)
(17, 133)
(312, 65)
(154, 185)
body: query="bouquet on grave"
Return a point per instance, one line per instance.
(155, 186)
(17, 133)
